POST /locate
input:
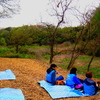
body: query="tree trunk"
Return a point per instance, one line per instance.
(64, 5)
(17, 48)
(73, 52)
(53, 42)
(90, 63)
(52, 52)
(94, 51)
(73, 59)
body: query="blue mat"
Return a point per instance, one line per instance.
(60, 91)
(11, 94)
(7, 75)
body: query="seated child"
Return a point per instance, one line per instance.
(72, 80)
(51, 74)
(89, 85)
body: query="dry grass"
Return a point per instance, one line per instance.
(28, 72)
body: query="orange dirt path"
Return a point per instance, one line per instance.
(28, 72)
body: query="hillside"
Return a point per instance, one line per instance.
(28, 72)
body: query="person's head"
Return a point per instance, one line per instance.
(73, 70)
(88, 74)
(53, 66)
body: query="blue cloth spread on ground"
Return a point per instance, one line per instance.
(7, 75)
(60, 91)
(11, 94)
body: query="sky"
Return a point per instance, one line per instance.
(32, 12)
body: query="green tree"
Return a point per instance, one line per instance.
(2, 41)
(20, 36)
(6, 35)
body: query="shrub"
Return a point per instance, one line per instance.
(3, 50)
(2, 42)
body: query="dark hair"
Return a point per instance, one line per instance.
(88, 74)
(53, 65)
(51, 68)
(73, 70)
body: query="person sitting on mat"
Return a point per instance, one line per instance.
(51, 74)
(72, 80)
(89, 84)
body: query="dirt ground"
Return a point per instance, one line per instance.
(28, 72)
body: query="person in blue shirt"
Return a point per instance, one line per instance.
(51, 74)
(89, 84)
(72, 80)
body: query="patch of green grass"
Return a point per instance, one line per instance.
(43, 53)
(96, 59)
(35, 46)
(34, 51)
(82, 65)
(46, 56)
(95, 71)
(64, 63)
(84, 58)
(18, 55)
(3, 50)
(27, 56)
(63, 66)
(82, 69)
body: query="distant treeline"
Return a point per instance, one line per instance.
(37, 34)
(88, 35)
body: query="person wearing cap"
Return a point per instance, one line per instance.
(89, 85)
(51, 74)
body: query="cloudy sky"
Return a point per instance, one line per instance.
(33, 11)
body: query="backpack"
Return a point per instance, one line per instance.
(60, 82)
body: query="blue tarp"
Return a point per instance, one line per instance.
(7, 75)
(11, 94)
(60, 91)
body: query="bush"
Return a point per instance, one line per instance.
(2, 42)
(3, 50)
(97, 53)
(10, 55)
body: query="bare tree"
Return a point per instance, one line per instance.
(95, 24)
(60, 7)
(8, 8)
(86, 17)
(96, 46)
